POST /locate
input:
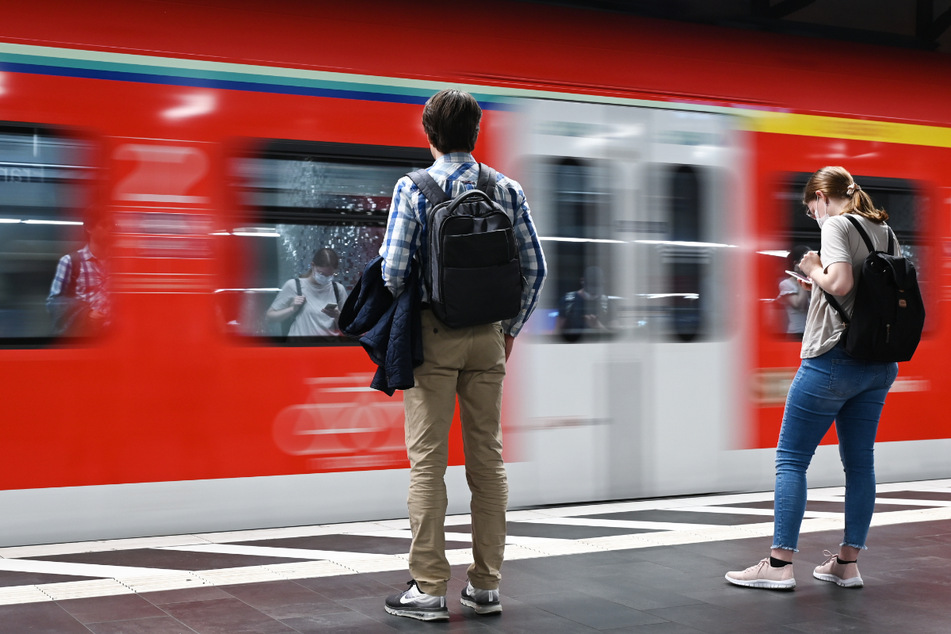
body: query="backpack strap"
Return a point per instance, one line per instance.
(428, 186)
(837, 306)
(487, 179)
(871, 249)
(287, 325)
(434, 193)
(868, 241)
(337, 294)
(75, 264)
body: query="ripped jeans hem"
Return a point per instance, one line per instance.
(776, 546)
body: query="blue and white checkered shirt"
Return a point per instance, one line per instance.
(406, 228)
(90, 281)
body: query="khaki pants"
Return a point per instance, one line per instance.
(469, 362)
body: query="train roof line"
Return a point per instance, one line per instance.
(95, 64)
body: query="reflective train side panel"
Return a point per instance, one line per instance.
(220, 170)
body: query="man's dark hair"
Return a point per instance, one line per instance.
(451, 120)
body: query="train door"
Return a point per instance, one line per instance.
(625, 377)
(692, 299)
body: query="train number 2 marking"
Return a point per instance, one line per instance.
(164, 174)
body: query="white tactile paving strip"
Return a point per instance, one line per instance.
(111, 580)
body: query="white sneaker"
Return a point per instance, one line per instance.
(482, 601)
(845, 575)
(416, 604)
(762, 575)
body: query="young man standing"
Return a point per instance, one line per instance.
(468, 362)
(78, 302)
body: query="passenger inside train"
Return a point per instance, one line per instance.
(793, 298)
(586, 310)
(78, 302)
(309, 305)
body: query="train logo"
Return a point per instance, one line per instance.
(344, 424)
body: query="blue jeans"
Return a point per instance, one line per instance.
(833, 386)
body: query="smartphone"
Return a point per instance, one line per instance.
(330, 307)
(799, 276)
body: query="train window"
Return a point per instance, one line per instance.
(899, 197)
(578, 305)
(681, 303)
(45, 181)
(311, 216)
(684, 262)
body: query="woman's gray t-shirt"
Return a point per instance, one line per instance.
(841, 242)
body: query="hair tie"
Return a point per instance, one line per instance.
(851, 189)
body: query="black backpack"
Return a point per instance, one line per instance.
(471, 268)
(888, 315)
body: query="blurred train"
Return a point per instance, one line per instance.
(226, 141)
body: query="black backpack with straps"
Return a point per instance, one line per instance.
(889, 314)
(471, 268)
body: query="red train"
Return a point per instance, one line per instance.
(225, 142)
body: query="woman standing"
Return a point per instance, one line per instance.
(829, 386)
(313, 301)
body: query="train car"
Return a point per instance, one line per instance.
(216, 145)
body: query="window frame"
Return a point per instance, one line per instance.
(275, 215)
(86, 203)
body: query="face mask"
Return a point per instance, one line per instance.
(821, 219)
(322, 280)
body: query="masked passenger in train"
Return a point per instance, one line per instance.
(830, 385)
(79, 303)
(584, 311)
(309, 306)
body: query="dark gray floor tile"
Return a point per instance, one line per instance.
(116, 608)
(523, 617)
(9, 579)
(350, 543)
(338, 622)
(826, 506)
(169, 559)
(915, 495)
(590, 610)
(156, 625)
(191, 595)
(628, 586)
(683, 517)
(356, 586)
(713, 619)
(38, 618)
(284, 600)
(225, 616)
(555, 531)
(655, 628)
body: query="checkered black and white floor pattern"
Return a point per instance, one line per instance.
(651, 565)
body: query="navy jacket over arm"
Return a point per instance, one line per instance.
(388, 329)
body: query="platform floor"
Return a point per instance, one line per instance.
(639, 566)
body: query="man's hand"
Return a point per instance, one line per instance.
(509, 342)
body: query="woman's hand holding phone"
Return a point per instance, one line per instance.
(800, 277)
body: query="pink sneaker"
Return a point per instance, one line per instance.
(845, 575)
(762, 575)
